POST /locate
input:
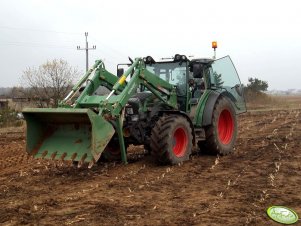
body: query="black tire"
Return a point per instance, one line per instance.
(221, 134)
(112, 152)
(171, 140)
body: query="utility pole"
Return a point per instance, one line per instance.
(87, 51)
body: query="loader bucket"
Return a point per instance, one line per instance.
(66, 133)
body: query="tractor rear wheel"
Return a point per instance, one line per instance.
(171, 140)
(221, 134)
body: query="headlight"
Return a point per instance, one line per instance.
(135, 118)
(177, 57)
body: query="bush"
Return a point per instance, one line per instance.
(254, 91)
(9, 118)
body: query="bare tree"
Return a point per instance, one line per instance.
(50, 82)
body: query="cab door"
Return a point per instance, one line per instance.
(224, 77)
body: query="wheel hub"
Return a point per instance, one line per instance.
(180, 141)
(225, 127)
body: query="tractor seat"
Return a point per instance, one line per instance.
(199, 88)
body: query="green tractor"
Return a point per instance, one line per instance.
(169, 106)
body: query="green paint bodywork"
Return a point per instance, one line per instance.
(198, 119)
(80, 129)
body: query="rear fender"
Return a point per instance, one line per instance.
(210, 103)
(208, 110)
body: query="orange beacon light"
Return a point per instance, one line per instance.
(214, 44)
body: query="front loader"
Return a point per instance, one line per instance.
(167, 106)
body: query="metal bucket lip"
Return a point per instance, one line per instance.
(56, 110)
(59, 115)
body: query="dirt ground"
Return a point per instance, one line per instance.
(264, 170)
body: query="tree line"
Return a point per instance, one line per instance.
(47, 84)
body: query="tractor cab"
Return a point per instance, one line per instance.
(187, 76)
(190, 77)
(174, 72)
(198, 80)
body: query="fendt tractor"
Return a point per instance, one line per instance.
(169, 106)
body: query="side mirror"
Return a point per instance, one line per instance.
(197, 70)
(120, 72)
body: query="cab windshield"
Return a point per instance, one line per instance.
(174, 73)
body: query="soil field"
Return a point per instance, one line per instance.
(264, 170)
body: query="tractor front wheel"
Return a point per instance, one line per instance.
(112, 152)
(171, 140)
(221, 134)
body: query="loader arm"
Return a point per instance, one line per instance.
(113, 104)
(101, 77)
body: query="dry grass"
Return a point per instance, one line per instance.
(264, 101)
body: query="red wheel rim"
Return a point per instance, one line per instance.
(225, 126)
(180, 142)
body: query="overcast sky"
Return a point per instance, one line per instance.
(263, 38)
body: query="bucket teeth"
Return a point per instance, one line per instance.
(79, 164)
(84, 157)
(44, 154)
(63, 156)
(82, 160)
(53, 155)
(78, 158)
(73, 156)
(91, 163)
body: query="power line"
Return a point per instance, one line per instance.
(111, 49)
(34, 44)
(38, 30)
